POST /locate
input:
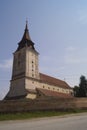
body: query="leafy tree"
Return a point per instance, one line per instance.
(76, 91)
(83, 87)
(81, 90)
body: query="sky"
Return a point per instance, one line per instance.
(57, 27)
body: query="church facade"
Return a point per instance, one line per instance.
(27, 81)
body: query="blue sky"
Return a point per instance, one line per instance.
(57, 27)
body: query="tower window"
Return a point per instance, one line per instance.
(32, 75)
(57, 89)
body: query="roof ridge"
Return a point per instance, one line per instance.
(54, 81)
(52, 77)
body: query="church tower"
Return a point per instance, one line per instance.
(25, 67)
(26, 81)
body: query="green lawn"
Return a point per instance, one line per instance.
(29, 115)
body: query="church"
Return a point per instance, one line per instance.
(26, 81)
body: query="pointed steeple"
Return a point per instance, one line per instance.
(26, 33)
(26, 40)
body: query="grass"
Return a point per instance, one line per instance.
(30, 115)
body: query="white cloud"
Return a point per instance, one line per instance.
(3, 92)
(70, 48)
(6, 64)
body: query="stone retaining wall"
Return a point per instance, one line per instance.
(42, 105)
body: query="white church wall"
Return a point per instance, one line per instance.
(31, 96)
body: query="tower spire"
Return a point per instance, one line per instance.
(26, 35)
(26, 27)
(26, 40)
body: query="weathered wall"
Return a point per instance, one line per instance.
(42, 104)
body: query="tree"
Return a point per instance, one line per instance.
(83, 87)
(81, 90)
(76, 91)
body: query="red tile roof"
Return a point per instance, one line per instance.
(51, 93)
(53, 81)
